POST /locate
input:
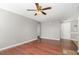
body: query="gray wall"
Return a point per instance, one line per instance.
(50, 30)
(15, 29)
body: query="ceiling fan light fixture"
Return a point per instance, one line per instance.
(38, 12)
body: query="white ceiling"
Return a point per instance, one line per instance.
(59, 11)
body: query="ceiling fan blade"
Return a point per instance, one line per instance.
(43, 13)
(46, 8)
(35, 14)
(37, 6)
(31, 10)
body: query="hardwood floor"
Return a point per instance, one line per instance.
(68, 47)
(45, 47)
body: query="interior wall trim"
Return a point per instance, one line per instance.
(11, 46)
(50, 38)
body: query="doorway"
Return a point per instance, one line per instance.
(66, 30)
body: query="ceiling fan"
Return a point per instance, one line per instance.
(39, 9)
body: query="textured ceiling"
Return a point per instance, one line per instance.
(59, 11)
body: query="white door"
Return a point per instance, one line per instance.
(66, 30)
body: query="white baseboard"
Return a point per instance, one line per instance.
(50, 38)
(17, 44)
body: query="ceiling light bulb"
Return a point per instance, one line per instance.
(38, 12)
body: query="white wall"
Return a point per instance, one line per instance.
(78, 33)
(39, 29)
(15, 29)
(69, 29)
(74, 29)
(78, 28)
(50, 30)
